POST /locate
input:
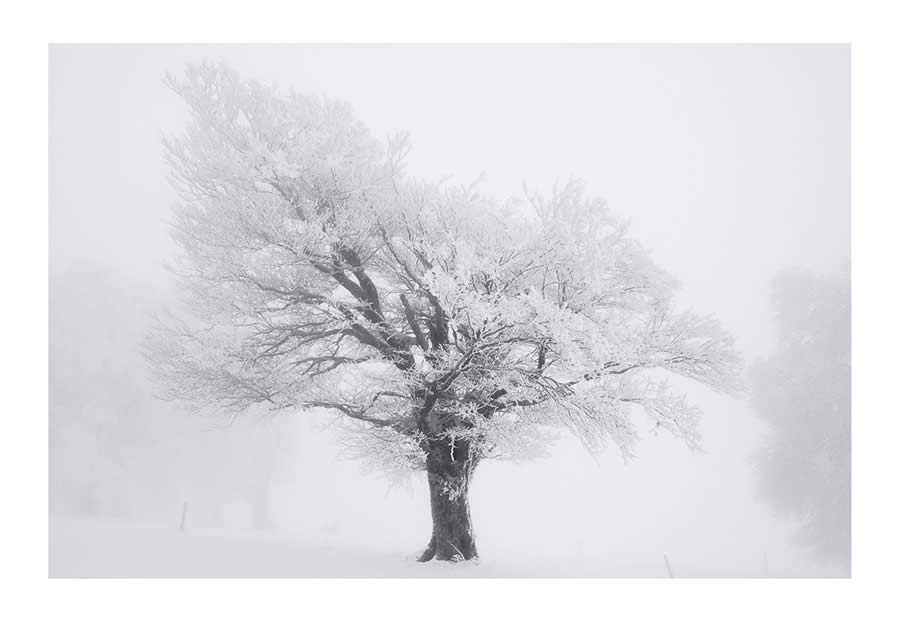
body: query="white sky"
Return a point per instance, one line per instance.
(731, 162)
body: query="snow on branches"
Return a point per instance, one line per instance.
(317, 274)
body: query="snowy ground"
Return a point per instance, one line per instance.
(90, 548)
(93, 548)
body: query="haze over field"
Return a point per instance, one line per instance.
(731, 164)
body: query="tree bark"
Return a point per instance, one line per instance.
(450, 468)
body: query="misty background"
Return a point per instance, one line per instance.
(730, 162)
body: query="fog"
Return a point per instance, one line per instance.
(730, 162)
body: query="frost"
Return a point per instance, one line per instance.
(316, 274)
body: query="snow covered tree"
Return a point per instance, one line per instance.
(803, 392)
(444, 326)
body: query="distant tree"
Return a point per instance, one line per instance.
(115, 451)
(98, 428)
(443, 326)
(803, 392)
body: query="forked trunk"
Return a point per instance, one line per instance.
(449, 474)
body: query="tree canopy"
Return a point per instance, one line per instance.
(802, 392)
(316, 273)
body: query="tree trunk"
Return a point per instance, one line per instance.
(450, 470)
(258, 497)
(261, 517)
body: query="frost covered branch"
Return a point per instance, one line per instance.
(316, 274)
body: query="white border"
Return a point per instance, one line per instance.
(876, 138)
